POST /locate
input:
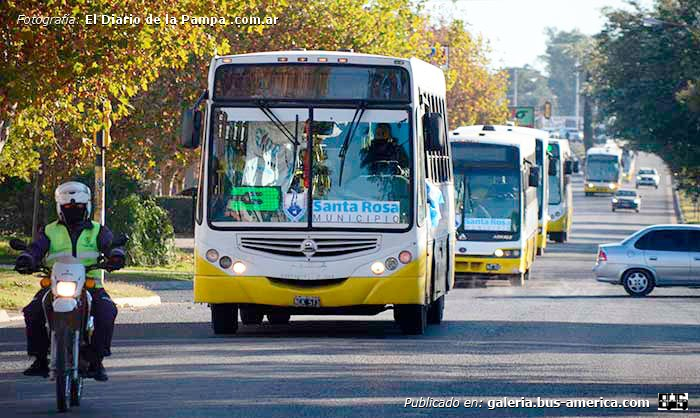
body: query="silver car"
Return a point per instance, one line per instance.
(659, 255)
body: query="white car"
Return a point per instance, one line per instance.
(648, 177)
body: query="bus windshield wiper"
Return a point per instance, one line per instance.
(346, 142)
(292, 137)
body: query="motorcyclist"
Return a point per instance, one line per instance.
(73, 234)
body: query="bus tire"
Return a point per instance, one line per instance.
(278, 318)
(413, 319)
(540, 251)
(518, 280)
(436, 311)
(224, 318)
(251, 316)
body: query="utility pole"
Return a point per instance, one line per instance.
(102, 138)
(515, 86)
(576, 93)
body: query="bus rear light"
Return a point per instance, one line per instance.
(302, 59)
(282, 59)
(391, 263)
(322, 59)
(239, 267)
(342, 60)
(377, 268)
(227, 60)
(405, 257)
(212, 255)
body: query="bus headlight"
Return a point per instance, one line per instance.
(590, 184)
(405, 257)
(611, 185)
(391, 263)
(239, 267)
(614, 200)
(212, 255)
(377, 268)
(498, 252)
(66, 289)
(511, 253)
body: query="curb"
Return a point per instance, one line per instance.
(137, 302)
(677, 207)
(5, 317)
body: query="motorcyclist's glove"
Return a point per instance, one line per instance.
(25, 264)
(115, 262)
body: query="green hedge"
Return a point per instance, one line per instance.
(151, 238)
(180, 210)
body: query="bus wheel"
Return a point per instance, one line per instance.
(518, 280)
(251, 316)
(413, 319)
(224, 318)
(436, 310)
(540, 251)
(279, 318)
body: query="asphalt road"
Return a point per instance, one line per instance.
(564, 336)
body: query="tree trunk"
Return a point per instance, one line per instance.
(38, 183)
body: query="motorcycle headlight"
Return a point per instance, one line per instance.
(66, 289)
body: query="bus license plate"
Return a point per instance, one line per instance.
(307, 301)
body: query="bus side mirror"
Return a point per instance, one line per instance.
(577, 166)
(553, 167)
(191, 128)
(534, 177)
(568, 167)
(433, 132)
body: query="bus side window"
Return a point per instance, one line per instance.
(421, 161)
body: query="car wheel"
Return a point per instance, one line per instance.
(636, 186)
(224, 318)
(637, 210)
(638, 282)
(613, 209)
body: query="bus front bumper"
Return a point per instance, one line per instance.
(406, 286)
(600, 188)
(489, 266)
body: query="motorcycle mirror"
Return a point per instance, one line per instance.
(17, 244)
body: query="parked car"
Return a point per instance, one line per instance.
(648, 177)
(656, 256)
(626, 199)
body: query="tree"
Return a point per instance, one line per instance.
(643, 77)
(475, 94)
(533, 87)
(566, 55)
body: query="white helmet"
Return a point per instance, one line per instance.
(72, 192)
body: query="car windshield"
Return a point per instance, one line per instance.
(487, 199)
(260, 171)
(647, 172)
(628, 193)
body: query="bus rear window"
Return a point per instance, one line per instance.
(311, 82)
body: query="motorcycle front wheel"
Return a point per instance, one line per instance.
(63, 380)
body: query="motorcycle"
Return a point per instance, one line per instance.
(67, 310)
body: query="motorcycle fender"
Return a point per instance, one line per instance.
(64, 305)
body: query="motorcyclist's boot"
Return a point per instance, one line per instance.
(40, 367)
(97, 371)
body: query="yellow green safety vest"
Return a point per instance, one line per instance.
(86, 247)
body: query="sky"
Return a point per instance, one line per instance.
(515, 28)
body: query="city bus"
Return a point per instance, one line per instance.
(496, 178)
(561, 201)
(542, 161)
(325, 188)
(603, 170)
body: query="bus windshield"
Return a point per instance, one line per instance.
(602, 168)
(488, 199)
(260, 171)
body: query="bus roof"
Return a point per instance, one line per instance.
(607, 150)
(426, 76)
(525, 143)
(522, 130)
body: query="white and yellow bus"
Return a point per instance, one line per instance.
(496, 180)
(561, 200)
(325, 188)
(603, 169)
(542, 161)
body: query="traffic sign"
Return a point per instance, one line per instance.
(523, 115)
(547, 110)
